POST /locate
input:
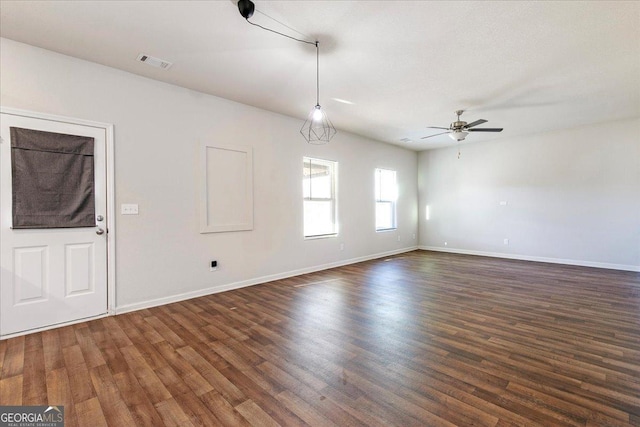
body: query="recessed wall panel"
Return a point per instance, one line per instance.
(227, 193)
(30, 274)
(79, 275)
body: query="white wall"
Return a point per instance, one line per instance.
(572, 196)
(158, 128)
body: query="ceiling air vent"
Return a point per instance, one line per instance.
(154, 62)
(406, 140)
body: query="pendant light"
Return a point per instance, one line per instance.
(317, 129)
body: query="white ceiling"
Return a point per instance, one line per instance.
(526, 66)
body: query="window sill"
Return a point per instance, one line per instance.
(384, 230)
(321, 236)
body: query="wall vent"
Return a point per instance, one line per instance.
(154, 62)
(406, 140)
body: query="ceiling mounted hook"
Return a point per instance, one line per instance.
(246, 8)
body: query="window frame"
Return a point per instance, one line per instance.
(380, 200)
(332, 199)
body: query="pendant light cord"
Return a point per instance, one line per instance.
(317, 74)
(317, 129)
(282, 34)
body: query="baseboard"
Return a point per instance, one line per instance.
(581, 263)
(255, 281)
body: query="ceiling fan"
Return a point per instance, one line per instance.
(458, 130)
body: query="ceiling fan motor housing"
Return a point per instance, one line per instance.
(458, 124)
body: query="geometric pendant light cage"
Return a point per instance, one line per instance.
(317, 129)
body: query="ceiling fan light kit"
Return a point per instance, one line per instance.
(317, 129)
(459, 129)
(458, 135)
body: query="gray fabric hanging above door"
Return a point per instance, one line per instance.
(53, 184)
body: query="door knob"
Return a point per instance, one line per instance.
(99, 231)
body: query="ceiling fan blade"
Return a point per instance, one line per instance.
(442, 133)
(476, 123)
(485, 130)
(436, 127)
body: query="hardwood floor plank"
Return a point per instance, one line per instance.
(92, 355)
(224, 412)
(113, 406)
(53, 357)
(161, 328)
(172, 414)
(34, 389)
(198, 413)
(79, 379)
(67, 336)
(302, 409)
(59, 394)
(147, 377)
(417, 339)
(219, 382)
(259, 396)
(173, 382)
(3, 351)
(309, 404)
(11, 390)
(255, 415)
(118, 336)
(137, 400)
(89, 413)
(13, 358)
(189, 374)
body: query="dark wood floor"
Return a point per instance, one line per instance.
(423, 339)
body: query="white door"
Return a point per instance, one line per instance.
(51, 276)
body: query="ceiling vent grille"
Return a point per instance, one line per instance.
(154, 62)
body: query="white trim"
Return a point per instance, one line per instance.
(53, 117)
(581, 263)
(111, 221)
(251, 282)
(111, 211)
(244, 219)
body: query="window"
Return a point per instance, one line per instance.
(386, 194)
(319, 192)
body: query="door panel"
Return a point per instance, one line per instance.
(51, 276)
(79, 276)
(29, 275)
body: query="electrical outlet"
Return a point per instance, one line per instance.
(342, 246)
(445, 243)
(398, 238)
(505, 241)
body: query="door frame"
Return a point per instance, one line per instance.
(111, 210)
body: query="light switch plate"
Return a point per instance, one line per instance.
(129, 209)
